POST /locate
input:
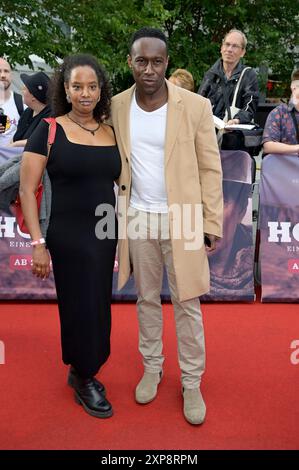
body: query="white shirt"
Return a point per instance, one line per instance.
(10, 109)
(147, 131)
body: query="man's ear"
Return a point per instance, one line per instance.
(129, 61)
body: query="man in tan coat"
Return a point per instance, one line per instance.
(170, 196)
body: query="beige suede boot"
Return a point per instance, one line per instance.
(194, 406)
(147, 388)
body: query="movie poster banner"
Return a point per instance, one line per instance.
(18, 282)
(16, 278)
(231, 264)
(279, 228)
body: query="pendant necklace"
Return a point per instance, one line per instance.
(92, 131)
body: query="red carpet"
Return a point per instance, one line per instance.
(250, 386)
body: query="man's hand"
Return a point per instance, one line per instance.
(233, 121)
(210, 241)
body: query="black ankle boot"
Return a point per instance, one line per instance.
(88, 395)
(73, 374)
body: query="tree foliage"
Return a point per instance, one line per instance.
(195, 28)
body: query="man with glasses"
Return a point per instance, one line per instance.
(221, 79)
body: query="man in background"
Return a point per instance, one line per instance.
(11, 105)
(281, 133)
(35, 93)
(220, 81)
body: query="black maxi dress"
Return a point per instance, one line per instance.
(82, 177)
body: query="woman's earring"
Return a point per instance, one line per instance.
(99, 98)
(68, 99)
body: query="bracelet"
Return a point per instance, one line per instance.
(41, 241)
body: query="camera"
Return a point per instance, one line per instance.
(3, 120)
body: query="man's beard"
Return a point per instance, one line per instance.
(3, 88)
(4, 85)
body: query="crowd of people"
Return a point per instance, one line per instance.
(157, 141)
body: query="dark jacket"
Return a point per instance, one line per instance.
(215, 84)
(28, 123)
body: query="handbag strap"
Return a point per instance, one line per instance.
(225, 94)
(295, 124)
(238, 86)
(52, 132)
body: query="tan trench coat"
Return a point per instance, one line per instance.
(193, 175)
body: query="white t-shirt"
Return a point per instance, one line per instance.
(147, 131)
(10, 109)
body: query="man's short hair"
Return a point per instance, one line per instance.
(244, 38)
(148, 33)
(295, 75)
(5, 59)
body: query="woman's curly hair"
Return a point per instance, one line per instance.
(62, 75)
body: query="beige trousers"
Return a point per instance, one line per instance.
(150, 250)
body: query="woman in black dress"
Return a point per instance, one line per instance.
(82, 166)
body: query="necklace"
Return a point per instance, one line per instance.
(92, 131)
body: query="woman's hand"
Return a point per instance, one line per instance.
(40, 262)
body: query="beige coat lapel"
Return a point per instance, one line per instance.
(123, 116)
(174, 116)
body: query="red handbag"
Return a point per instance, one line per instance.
(39, 193)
